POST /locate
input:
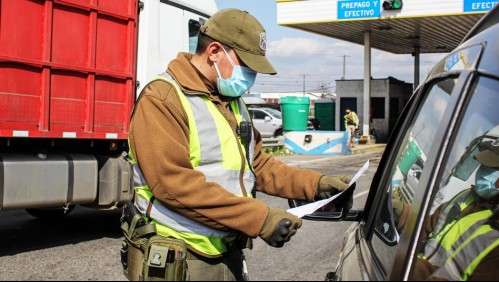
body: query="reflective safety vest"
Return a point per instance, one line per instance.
(458, 244)
(214, 148)
(351, 119)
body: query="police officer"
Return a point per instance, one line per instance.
(351, 124)
(195, 166)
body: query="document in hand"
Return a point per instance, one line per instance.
(312, 207)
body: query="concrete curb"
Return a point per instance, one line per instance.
(362, 149)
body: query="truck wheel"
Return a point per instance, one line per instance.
(57, 213)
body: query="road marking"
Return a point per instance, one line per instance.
(360, 194)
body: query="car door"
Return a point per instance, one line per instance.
(471, 123)
(385, 248)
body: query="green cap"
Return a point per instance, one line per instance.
(489, 156)
(244, 34)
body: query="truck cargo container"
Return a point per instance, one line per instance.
(70, 72)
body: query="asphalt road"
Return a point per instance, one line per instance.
(86, 244)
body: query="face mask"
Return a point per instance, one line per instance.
(241, 80)
(485, 179)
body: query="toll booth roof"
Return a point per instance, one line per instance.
(396, 26)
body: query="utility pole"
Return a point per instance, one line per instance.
(304, 85)
(344, 67)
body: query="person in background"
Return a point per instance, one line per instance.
(198, 161)
(462, 241)
(351, 125)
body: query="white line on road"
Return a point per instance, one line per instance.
(360, 194)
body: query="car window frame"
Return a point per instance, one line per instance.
(429, 178)
(438, 154)
(382, 177)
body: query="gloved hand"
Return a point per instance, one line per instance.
(278, 227)
(331, 185)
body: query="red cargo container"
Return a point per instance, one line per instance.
(67, 68)
(68, 79)
(67, 87)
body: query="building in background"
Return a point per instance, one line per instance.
(388, 98)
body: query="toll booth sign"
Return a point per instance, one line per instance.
(478, 5)
(358, 9)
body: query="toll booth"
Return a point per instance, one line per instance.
(388, 98)
(396, 26)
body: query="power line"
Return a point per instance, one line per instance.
(300, 91)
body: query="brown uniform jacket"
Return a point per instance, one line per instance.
(487, 270)
(159, 140)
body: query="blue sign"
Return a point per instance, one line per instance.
(452, 60)
(478, 5)
(358, 9)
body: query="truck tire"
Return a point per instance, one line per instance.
(50, 214)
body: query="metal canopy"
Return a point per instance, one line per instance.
(401, 35)
(425, 25)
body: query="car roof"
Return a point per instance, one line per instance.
(488, 20)
(263, 108)
(486, 33)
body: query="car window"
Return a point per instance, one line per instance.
(275, 113)
(193, 27)
(407, 168)
(480, 124)
(259, 114)
(478, 129)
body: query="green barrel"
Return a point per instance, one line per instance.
(294, 112)
(410, 157)
(324, 113)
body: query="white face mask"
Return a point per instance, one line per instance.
(241, 79)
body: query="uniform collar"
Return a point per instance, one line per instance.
(188, 77)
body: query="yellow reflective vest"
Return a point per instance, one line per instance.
(214, 150)
(459, 243)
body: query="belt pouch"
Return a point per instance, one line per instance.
(166, 259)
(135, 262)
(133, 248)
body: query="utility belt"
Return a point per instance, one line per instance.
(146, 256)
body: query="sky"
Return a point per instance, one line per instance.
(306, 60)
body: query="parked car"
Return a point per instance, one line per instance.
(451, 114)
(267, 121)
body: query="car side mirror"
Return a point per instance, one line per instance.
(268, 119)
(333, 211)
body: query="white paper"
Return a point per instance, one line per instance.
(312, 207)
(359, 173)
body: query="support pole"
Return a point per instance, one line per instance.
(416, 66)
(367, 84)
(303, 85)
(344, 66)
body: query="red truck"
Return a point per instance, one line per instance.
(69, 74)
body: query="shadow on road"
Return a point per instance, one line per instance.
(20, 232)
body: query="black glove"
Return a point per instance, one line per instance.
(331, 185)
(278, 227)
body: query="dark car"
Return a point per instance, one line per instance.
(428, 159)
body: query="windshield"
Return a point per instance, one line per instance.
(274, 113)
